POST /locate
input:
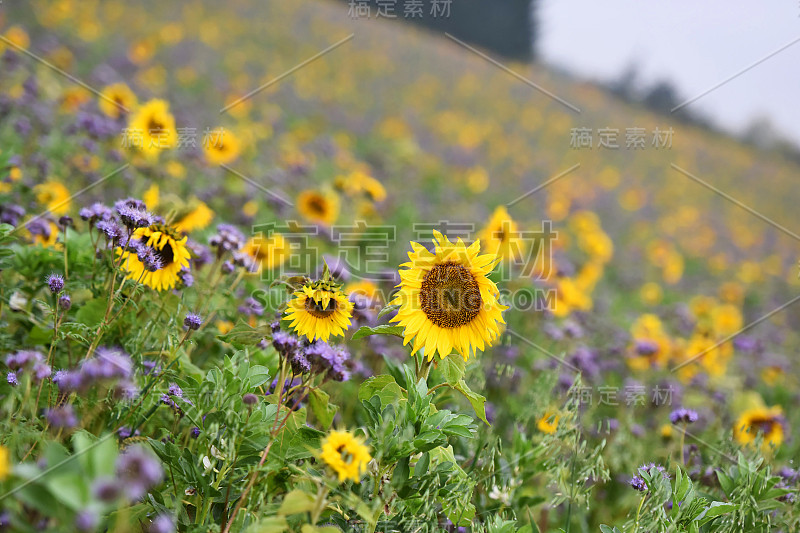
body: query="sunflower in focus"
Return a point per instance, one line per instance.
(267, 252)
(54, 196)
(320, 309)
(117, 100)
(318, 206)
(346, 455)
(169, 249)
(221, 147)
(198, 218)
(154, 128)
(501, 236)
(765, 420)
(447, 300)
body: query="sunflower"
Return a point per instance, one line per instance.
(117, 100)
(171, 252)
(54, 196)
(364, 291)
(346, 455)
(320, 309)
(154, 127)
(267, 252)
(502, 237)
(198, 218)
(446, 299)
(152, 196)
(221, 147)
(768, 421)
(318, 206)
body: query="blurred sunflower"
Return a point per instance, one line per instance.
(221, 147)
(267, 252)
(346, 455)
(365, 291)
(318, 206)
(117, 100)
(447, 300)
(54, 196)
(5, 463)
(501, 236)
(548, 423)
(171, 256)
(198, 218)
(154, 126)
(320, 309)
(765, 420)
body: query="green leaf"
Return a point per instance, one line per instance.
(295, 502)
(388, 309)
(453, 368)
(714, 510)
(384, 386)
(477, 401)
(92, 312)
(384, 329)
(244, 334)
(324, 411)
(273, 524)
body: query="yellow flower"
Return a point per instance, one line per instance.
(17, 36)
(365, 291)
(54, 196)
(116, 100)
(198, 218)
(726, 320)
(152, 128)
(175, 169)
(221, 147)
(171, 251)
(666, 431)
(151, 197)
(267, 252)
(765, 420)
(477, 180)
(73, 98)
(502, 237)
(447, 300)
(319, 310)
(318, 206)
(346, 455)
(224, 326)
(5, 463)
(548, 423)
(651, 293)
(570, 297)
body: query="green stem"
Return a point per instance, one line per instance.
(638, 513)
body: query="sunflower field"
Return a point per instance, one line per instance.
(266, 267)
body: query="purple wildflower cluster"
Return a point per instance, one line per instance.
(109, 367)
(684, 416)
(317, 357)
(133, 213)
(62, 417)
(638, 483)
(27, 361)
(137, 472)
(228, 238)
(174, 391)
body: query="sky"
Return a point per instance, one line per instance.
(695, 44)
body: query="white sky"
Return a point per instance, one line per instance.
(694, 43)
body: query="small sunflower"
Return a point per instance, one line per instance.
(117, 100)
(267, 252)
(501, 236)
(447, 300)
(768, 421)
(346, 455)
(320, 309)
(171, 253)
(54, 196)
(221, 147)
(318, 206)
(154, 128)
(198, 218)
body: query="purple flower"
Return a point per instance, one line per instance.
(107, 364)
(249, 399)
(285, 343)
(56, 283)
(133, 217)
(192, 321)
(650, 467)
(62, 417)
(150, 259)
(300, 364)
(162, 524)
(138, 471)
(638, 484)
(11, 213)
(95, 212)
(65, 302)
(110, 229)
(11, 377)
(106, 490)
(41, 371)
(646, 347)
(23, 359)
(86, 520)
(195, 432)
(685, 416)
(228, 238)
(175, 390)
(125, 432)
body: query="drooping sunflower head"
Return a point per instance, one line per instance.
(221, 147)
(319, 310)
(447, 300)
(318, 206)
(155, 257)
(346, 455)
(154, 128)
(267, 252)
(501, 236)
(760, 420)
(117, 100)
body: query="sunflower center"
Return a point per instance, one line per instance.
(763, 425)
(317, 205)
(316, 309)
(154, 125)
(166, 254)
(450, 296)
